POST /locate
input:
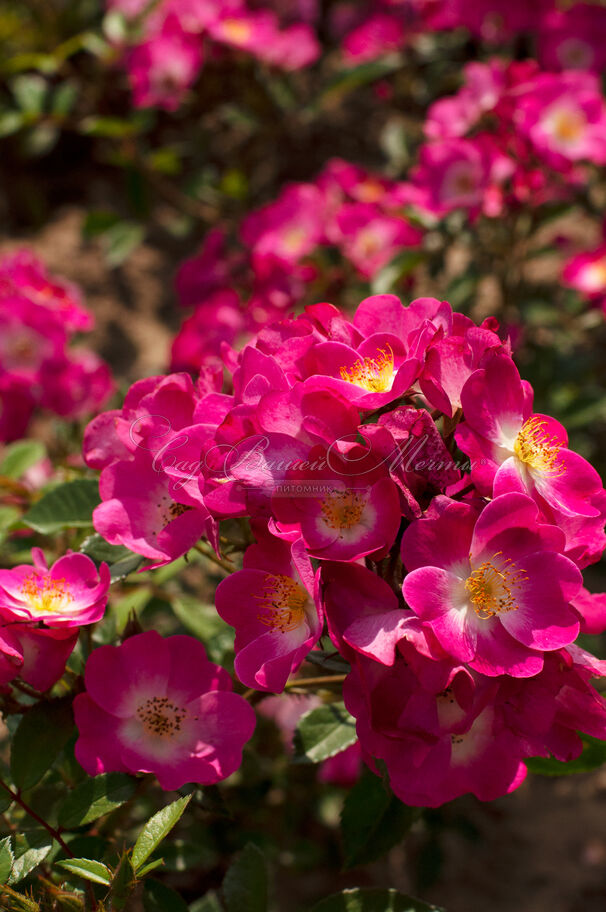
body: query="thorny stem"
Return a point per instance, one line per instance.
(16, 797)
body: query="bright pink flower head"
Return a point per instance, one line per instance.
(459, 174)
(23, 273)
(452, 117)
(272, 605)
(164, 66)
(370, 238)
(36, 655)
(289, 228)
(219, 319)
(564, 117)
(440, 735)
(513, 449)
(574, 39)
(492, 587)
(378, 35)
(587, 272)
(346, 506)
(75, 385)
(69, 594)
(155, 705)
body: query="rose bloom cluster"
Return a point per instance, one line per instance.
(571, 38)
(173, 37)
(39, 315)
(406, 501)
(512, 135)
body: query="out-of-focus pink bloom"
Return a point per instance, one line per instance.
(288, 229)
(370, 239)
(16, 407)
(564, 117)
(156, 705)
(587, 272)
(24, 274)
(219, 320)
(76, 385)
(452, 117)
(164, 66)
(574, 38)
(493, 20)
(69, 594)
(376, 36)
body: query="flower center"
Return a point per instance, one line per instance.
(236, 30)
(283, 603)
(568, 125)
(46, 595)
(343, 509)
(161, 717)
(538, 449)
(372, 374)
(595, 274)
(493, 586)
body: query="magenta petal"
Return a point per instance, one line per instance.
(119, 678)
(499, 653)
(96, 750)
(428, 591)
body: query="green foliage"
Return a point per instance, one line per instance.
(245, 885)
(373, 820)
(156, 829)
(592, 757)
(323, 732)
(40, 737)
(157, 897)
(67, 506)
(87, 869)
(94, 798)
(6, 859)
(20, 456)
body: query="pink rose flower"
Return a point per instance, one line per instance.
(69, 594)
(155, 705)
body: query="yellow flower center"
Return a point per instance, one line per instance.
(46, 595)
(161, 717)
(568, 126)
(372, 374)
(538, 449)
(492, 587)
(595, 274)
(283, 603)
(343, 509)
(236, 30)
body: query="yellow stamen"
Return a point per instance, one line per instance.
(568, 126)
(492, 587)
(343, 509)
(161, 717)
(372, 374)
(236, 30)
(46, 595)
(538, 449)
(283, 603)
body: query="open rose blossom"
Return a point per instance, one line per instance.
(449, 579)
(69, 594)
(155, 705)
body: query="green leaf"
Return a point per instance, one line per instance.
(69, 505)
(123, 885)
(156, 829)
(350, 79)
(157, 897)
(27, 861)
(18, 457)
(64, 98)
(373, 820)
(593, 756)
(16, 902)
(120, 240)
(30, 92)
(6, 859)
(362, 899)
(40, 737)
(208, 903)
(95, 871)
(323, 732)
(245, 885)
(122, 561)
(396, 271)
(112, 127)
(149, 867)
(95, 797)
